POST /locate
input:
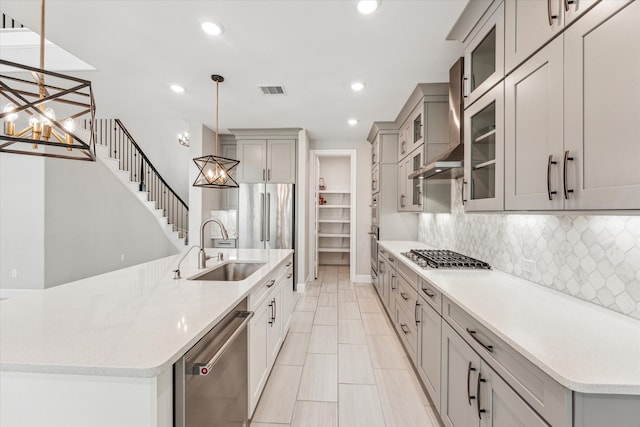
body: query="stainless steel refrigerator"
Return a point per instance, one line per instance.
(266, 216)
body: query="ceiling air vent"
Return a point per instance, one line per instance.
(272, 90)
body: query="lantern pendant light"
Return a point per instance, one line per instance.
(43, 134)
(215, 171)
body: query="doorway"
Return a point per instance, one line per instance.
(332, 208)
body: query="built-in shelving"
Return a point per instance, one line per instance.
(333, 217)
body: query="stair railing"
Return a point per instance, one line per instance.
(112, 134)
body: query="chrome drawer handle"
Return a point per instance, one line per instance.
(469, 397)
(270, 284)
(404, 296)
(480, 380)
(489, 348)
(199, 369)
(426, 291)
(549, 163)
(404, 328)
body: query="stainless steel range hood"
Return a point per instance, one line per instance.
(451, 163)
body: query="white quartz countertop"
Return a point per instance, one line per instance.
(134, 322)
(584, 347)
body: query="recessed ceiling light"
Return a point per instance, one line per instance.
(357, 86)
(367, 7)
(212, 28)
(352, 122)
(177, 88)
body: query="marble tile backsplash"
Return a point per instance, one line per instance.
(592, 257)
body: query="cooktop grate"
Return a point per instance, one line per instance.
(441, 258)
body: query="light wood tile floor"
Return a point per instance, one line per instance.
(342, 364)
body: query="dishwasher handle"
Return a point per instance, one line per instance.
(204, 369)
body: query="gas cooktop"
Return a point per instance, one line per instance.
(436, 258)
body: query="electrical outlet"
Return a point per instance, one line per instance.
(528, 265)
(122, 257)
(14, 273)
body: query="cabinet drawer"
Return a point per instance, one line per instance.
(430, 294)
(391, 259)
(408, 331)
(406, 296)
(538, 389)
(410, 275)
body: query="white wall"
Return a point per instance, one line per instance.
(362, 197)
(302, 212)
(22, 221)
(91, 220)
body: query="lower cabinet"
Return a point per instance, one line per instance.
(272, 303)
(429, 345)
(473, 394)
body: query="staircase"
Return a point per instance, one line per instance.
(116, 148)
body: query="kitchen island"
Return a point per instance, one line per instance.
(100, 351)
(573, 362)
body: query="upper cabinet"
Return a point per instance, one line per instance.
(266, 160)
(484, 153)
(601, 108)
(531, 24)
(484, 55)
(424, 136)
(571, 129)
(534, 132)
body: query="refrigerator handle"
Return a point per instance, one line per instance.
(262, 217)
(268, 238)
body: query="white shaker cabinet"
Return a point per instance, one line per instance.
(534, 132)
(472, 392)
(529, 24)
(267, 160)
(601, 108)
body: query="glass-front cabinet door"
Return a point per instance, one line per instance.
(484, 57)
(483, 185)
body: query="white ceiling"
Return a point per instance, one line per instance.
(315, 49)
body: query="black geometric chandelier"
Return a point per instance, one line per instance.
(40, 109)
(215, 171)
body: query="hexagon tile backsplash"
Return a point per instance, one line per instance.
(592, 257)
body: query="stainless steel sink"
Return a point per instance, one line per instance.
(230, 271)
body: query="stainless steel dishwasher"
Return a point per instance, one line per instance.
(211, 380)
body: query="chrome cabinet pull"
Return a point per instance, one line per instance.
(465, 91)
(289, 276)
(429, 294)
(404, 296)
(392, 259)
(549, 163)
(268, 174)
(393, 279)
(549, 15)
(271, 319)
(489, 348)
(469, 397)
(417, 310)
(268, 236)
(402, 200)
(464, 182)
(480, 380)
(275, 310)
(262, 217)
(567, 158)
(404, 328)
(271, 282)
(288, 264)
(567, 3)
(263, 175)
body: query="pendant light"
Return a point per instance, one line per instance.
(40, 116)
(215, 171)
